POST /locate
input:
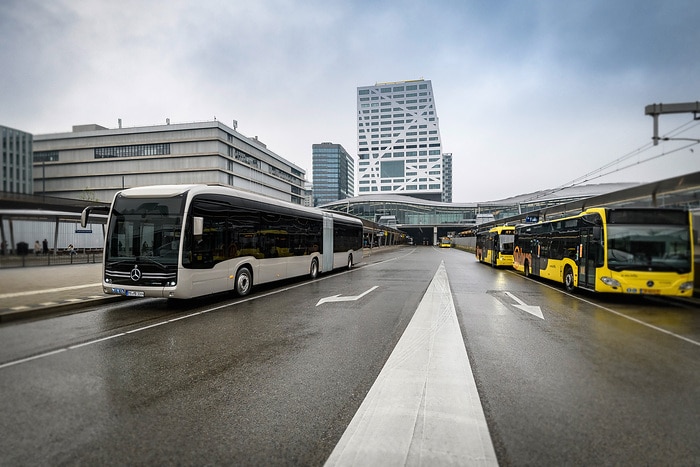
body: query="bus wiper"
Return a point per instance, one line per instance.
(148, 259)
(118, 262)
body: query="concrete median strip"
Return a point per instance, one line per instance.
(424, 408)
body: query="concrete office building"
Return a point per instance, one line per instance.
(333, 173)
(398, 140)
(16, 161)
(93, 162)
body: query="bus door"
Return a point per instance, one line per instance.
(535, 248)
(587, 259)
(327, 254)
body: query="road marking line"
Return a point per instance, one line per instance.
(35, 292)
(349, 298)
(424, 407)
(532, 309)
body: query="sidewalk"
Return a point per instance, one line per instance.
(32, 291)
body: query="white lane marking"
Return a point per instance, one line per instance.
(621, 315)
(58, 289)
(532, 309)
(349, 298)
(424, 408)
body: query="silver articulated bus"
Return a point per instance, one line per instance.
(184, 241)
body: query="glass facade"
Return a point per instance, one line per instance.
(17, 161)
(333, 173)
(406, 210)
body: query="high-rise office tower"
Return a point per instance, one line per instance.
(398, 141)
(333, 173)
(16, 161)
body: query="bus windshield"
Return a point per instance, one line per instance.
(147, 229)
(506, 241)
(649, 248)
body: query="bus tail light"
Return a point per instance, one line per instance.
(609, 281)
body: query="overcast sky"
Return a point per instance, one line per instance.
(531, 95)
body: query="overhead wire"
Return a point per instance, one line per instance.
(646, 147)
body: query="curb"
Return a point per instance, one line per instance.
(58, 308)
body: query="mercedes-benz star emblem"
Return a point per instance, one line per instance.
(135, 274)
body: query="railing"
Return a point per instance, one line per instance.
(50, 259)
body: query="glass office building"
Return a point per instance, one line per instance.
(333, 173)
(16, 161)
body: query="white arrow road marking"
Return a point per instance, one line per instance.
(532, 309)
(338, 298)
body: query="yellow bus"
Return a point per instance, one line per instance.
(445, 242)
(495, 246)
(625, 250)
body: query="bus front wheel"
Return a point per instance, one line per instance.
(349, 261)
(313, 270)
(569, 279)
(244, 282)
(527, 269)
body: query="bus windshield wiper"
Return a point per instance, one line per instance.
(149, 259)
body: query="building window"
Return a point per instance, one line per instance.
(132, 151)
(392, 169)
(45, 156)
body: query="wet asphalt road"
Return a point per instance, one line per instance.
(276, 379)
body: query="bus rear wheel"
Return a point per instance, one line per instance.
(349, 261)
(527, 269)
(569, 279)
(244, 282)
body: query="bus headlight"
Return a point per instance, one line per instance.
(610, 281)
(686, 286)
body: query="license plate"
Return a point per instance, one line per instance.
(650, 291)
(128, 293)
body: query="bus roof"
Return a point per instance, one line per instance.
(194, 189)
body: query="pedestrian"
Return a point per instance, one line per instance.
(71, 249)
(37, 248)
(45, 246)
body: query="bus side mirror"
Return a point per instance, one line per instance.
(85, 215)
(597, 233)
(197, 225)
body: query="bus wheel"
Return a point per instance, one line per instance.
(349, 261)
(244, 282)
(313, 271)
(527, 269)
(569, 279)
